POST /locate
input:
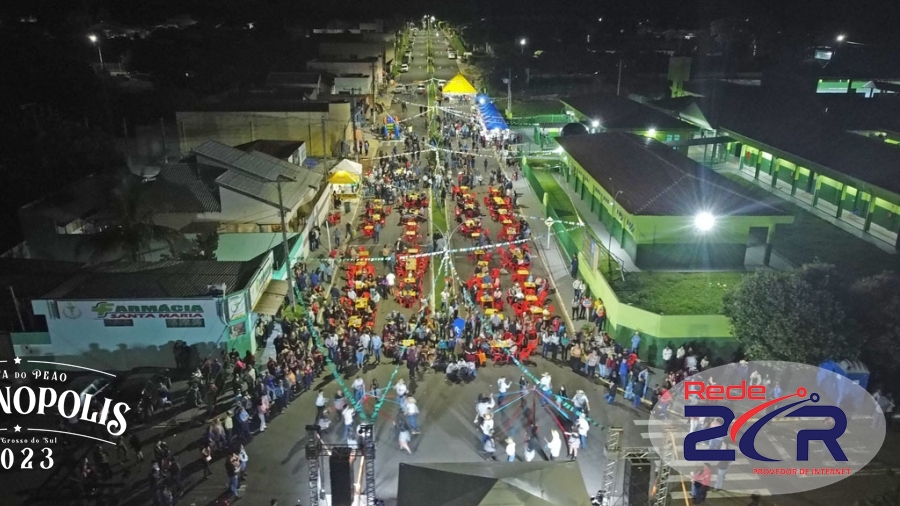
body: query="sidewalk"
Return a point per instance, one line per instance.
(591, 221)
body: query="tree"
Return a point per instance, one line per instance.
(795, 315)
(875, 305)
(133, 232)
(203, 247)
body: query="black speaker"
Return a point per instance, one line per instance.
(636, 487)
(341, 477)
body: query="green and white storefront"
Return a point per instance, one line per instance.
(115, 333)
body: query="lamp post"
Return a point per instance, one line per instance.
(93, 39)
(522, 46)
(609, 246)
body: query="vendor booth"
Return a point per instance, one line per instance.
(490, 118)
(345, 184)
(459, 89)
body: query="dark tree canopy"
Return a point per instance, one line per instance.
(792, 315)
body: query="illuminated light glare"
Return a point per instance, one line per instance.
(841, 37)
(595, 123)
(481, 100)
(92, 38)
(558, 150)
(704, 221)
(522, 42)
(651, 132)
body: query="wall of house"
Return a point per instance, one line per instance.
(348, 67)
(360, 85)
(80, 335)
(238, 127)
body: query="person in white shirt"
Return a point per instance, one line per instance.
(391, 279)
(578, 285)
(502, 387)
(554, 445)
(412, 414)
(347, 413)
(351, 294)
(510, 450)
(546, 387)
(667, 357)
(580, 401)
(483, 407)
(487, 427)
(582, 426)
(400, 389)
(321, 402)
(359, 389)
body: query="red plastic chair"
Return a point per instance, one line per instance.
(500, 357)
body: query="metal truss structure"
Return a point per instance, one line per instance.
(614, 454)
(316, 449)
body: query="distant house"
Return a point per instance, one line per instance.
(321, 125)
(308, 83)
(344, 65)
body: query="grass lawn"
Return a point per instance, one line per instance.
(659, 292)
(811, 239)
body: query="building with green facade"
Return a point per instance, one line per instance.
(666, 210)
(798, 148)
(610, 113)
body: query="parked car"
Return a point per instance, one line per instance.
(451, 55)
(441, 82)
(404, 67)
(420, 89)
(138, 387)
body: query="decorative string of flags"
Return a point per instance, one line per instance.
(402, 257)
(559, 399)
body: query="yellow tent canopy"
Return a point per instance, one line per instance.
(343, 177)
(459, 85)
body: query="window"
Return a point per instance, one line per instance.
(184, 322)
(118, 323)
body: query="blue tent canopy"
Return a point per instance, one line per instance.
(490, 116)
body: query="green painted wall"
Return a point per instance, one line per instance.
(709, 331)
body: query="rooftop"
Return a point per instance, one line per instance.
(656, 180)
(253, 164)
(617, 113)
(799, 126)
(80, 200)
(343, 59)
(154, 280)
(278, 149)
(29, 279)
(269, 103)
(183, 187)
(293, 79)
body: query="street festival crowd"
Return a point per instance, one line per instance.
(502, 314)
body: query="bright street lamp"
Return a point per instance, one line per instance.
(522, 46)
(93, 39)
(704, 221)
(841, 37)
(595, 123)
(651, 132)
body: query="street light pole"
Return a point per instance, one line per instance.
(93, 39)
(287, 253)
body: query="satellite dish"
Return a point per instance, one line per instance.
(147, 173)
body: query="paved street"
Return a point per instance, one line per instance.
(277, 461)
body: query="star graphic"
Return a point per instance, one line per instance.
(17, 428)
(17, 360)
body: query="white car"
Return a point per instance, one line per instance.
(441, 82)
(404, 67)
(451, 55)
(420, 89)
